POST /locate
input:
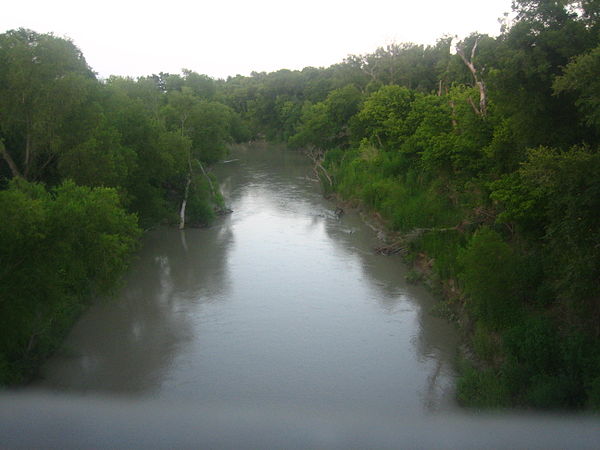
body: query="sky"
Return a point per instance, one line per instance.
(220, 38)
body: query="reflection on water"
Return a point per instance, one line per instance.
(280, 301)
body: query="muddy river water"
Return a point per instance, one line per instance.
(281, 301)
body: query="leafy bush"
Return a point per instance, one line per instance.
(444, 248)
(489, 279)
(200, 209)
(533, 344)
(485, 344)
(59, 247)
(481, 388)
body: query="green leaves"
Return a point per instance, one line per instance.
(326, 124)
(44, 80)
(101, 160)
(57, 248)
(489, 278)
(555, 196)
(382, 118)
(581, 78)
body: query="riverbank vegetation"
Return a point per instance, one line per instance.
(86, 164)
(489, 148)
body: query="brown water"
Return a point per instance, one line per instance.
(279, 302)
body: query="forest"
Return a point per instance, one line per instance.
(486, 149)
(87, 165)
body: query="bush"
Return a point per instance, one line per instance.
(485, 344)
(444, 248)
(481, 388)
(489, 278)
(552, 392)
(533, 343)
(59, 248)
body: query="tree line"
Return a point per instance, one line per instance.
(85, 164)
(489, 144)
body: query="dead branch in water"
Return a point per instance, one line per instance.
(399, 246)
(316, 157)
(391, 249)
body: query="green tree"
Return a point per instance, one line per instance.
(580, 77)
(489, 278)
(326, 124)
(44, 80)
(382, 118)
(529, 57)
(58, 247)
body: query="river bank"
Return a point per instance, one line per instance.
(516, 350)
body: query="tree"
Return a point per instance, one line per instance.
(326, 124)
(58, 248)
(581, 78)
(529, 56)
(202, 86)
(382, 118)
(476, 73)
(545, 13)
(43, 82)
(406, 64)
(554, 196)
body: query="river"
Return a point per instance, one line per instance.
(279, 302)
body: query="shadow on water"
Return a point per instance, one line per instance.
(125, 344)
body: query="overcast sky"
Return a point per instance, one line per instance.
(221, 38)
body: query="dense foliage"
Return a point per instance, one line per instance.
(83, 164)
(58, 248)
(493, 150)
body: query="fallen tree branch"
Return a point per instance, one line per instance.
(317, 158)
(320, 166)
(391, 249)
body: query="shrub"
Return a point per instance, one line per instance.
(481, 388)
(489, 278)
(59, 248)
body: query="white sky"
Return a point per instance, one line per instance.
(221, 38)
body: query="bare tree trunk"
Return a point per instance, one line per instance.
(482, 111)
(453, 111)
(183, 240)
(27, 158)
(316, 158)
(482, 97)
(186, 192)
(470, 101)
(212, 188)
(184, 202)
(320, 166)
(369, 69)
(11, 164)
(453, 108)
(50, 158)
